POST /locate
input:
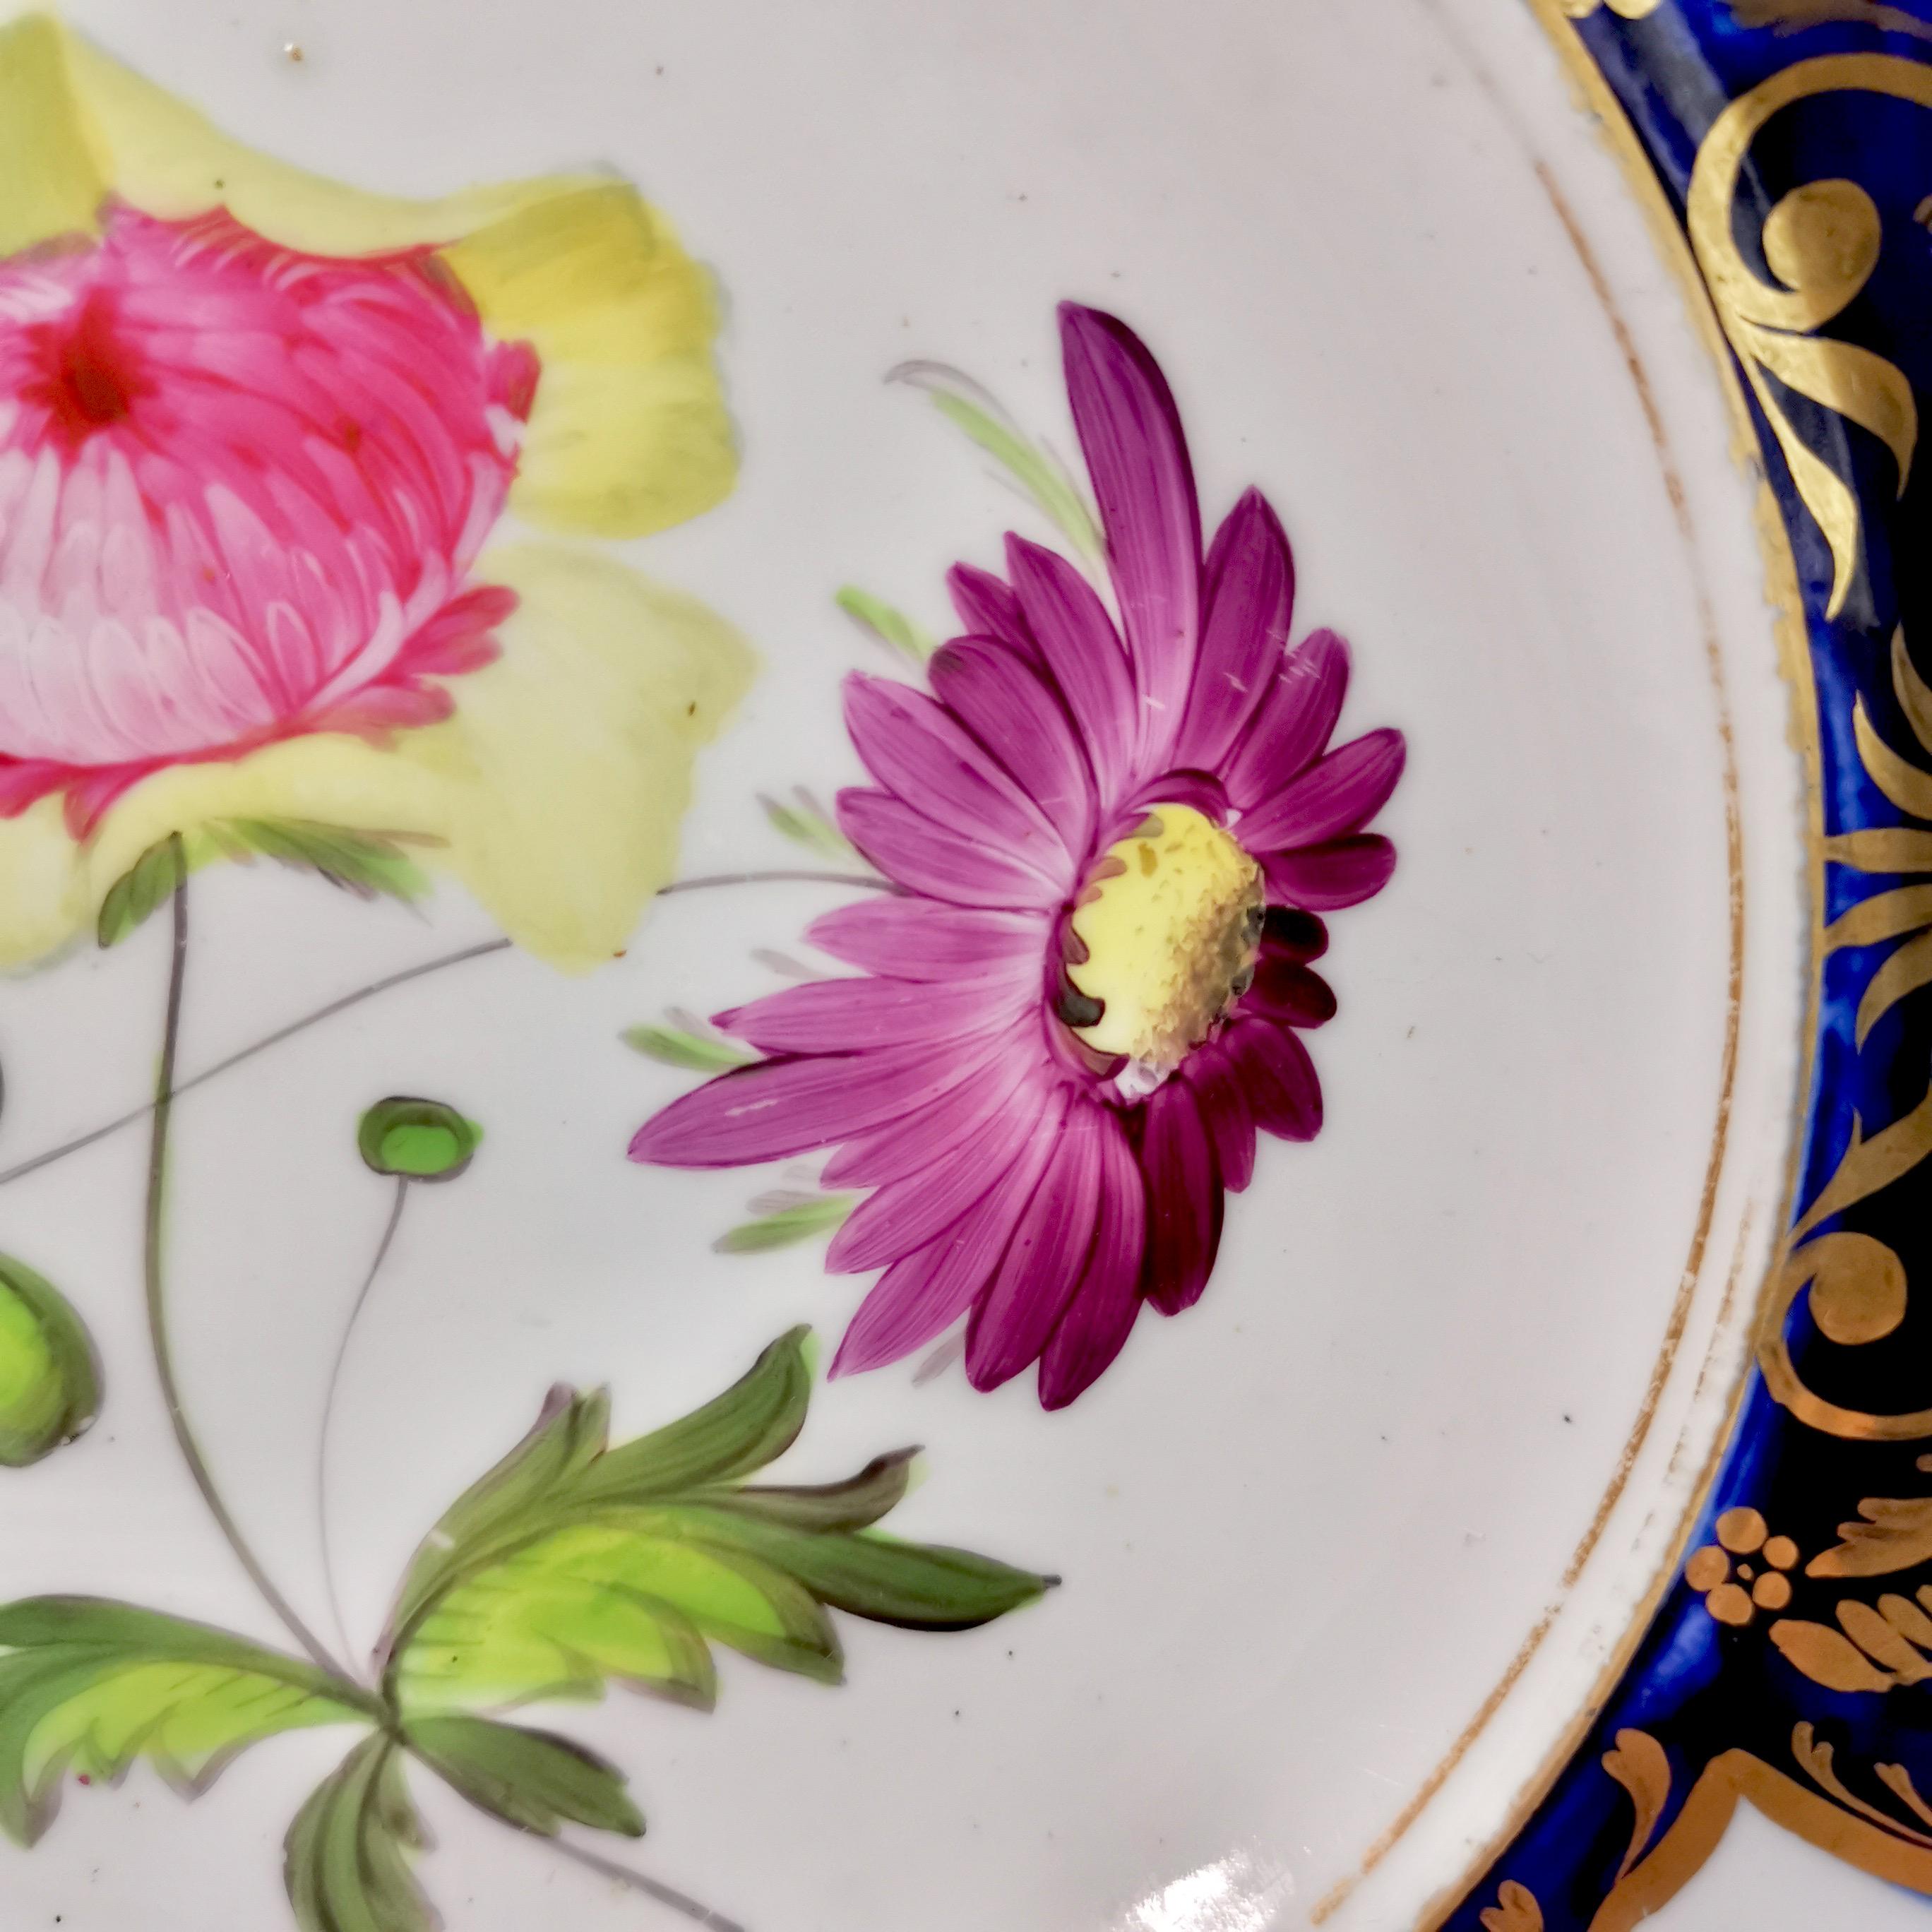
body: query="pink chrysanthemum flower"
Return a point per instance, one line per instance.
(232, 507)
(1110, 844)
(277, 458)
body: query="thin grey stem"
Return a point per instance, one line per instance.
(49, 1155)
(262, 1046)
(665, 1894)
(382, 1247)
(153, 1235)
(871, 881)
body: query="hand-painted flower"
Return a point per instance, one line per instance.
(255, 433)
(1085, 995)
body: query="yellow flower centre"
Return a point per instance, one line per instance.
(1171, 924)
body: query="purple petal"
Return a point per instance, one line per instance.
(912, 851)
(927, 939)
(1200, 789)
(906, 1214)
(1290, 934)
(1100, 1315)
(1249, 592)
(916, 1299)
(1285, 992)
(1321, 878)
(855, 1016)
(1337, 796)
(987, 608)
(1225, 1113)
(1047, 1255)
(1130, 434)
(1184, 1199)
(1003, 703)
(935, 1128)
(1293, 721)
(1278, 1077)
(1082, 651)
(780, 1107)
(922, 1295)
(915, 749)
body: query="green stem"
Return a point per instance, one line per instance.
(153, 1243)
(382, 1248)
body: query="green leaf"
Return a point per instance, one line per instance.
(921, 1586)
(805, 826)
(531, 1779)
(500, 1509)
(368, 864)
(91, 1685)
(894, 627)
(676, 1048)
(346, 1861)
(857, 1503)
(969, 409)
(49, 1377)
(572, 1564)
(789, 1225)
(141, 892)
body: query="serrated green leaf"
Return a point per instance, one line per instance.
(534, 1779)
(893, 626)
(500, 1508)
(857, 1503)
(921, 1586)
(619, 1596)
(368, 864)
(347, 1859)
(571, 1564)
(753, 1423)
(140, 892)
(49, 1378)
(91, 1685)
(804, 826)
(788, 1226)
(675, 1048)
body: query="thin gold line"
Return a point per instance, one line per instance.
(1446, 1901)
(1782, 592)
(1680, 1312)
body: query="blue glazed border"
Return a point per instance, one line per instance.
(1710, 1711)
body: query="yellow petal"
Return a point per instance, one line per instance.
(51, 177)
(43, 899)
(329, 778)
(568, 760)
(169, 160)
(629, 433)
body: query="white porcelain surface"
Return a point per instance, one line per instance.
(1305, 1529)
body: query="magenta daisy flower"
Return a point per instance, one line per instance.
(1109, 842)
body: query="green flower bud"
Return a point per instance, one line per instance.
(416, 1140)
(49, 1382)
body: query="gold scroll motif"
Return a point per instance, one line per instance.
(1792, 17)
(1842, 1823)
(1876, 1647)
(1821, 242)
(1640, 1766)
(1858, 1285)
(1515, 1910)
